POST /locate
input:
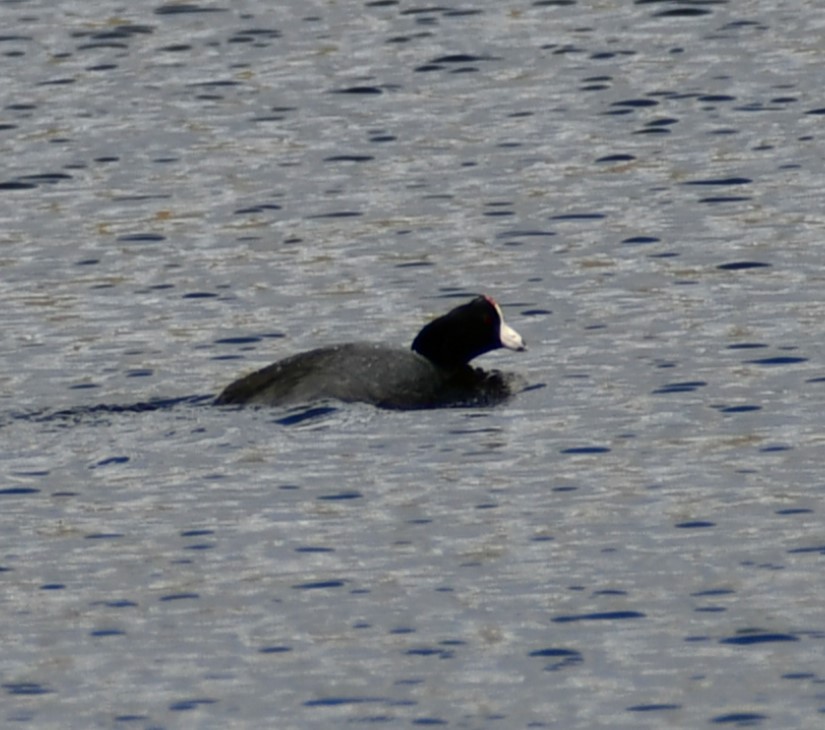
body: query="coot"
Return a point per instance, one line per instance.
(433, 373)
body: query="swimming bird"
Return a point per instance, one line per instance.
(435, 372)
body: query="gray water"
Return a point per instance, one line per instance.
(634, 542)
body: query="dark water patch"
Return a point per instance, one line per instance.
(774, 447)
(743, 719)
(103, 633)
(217, 83)
(715, 98)
(462, 58)
(526, 233)
(535, 313)
(140, 373)
(17, 491)
(254, 35)
(694, 524)
(561, 658)
(661, 707)
(820, 549)
(314, 549)
(608, 55)
(635, 103)
(119, 603)
(96, 45)
(380, 138)
(818, 111)
(776, 361)
(199, 295)
(53, 587)
(639, 240)
(750, 637)
(602, 616)
(794, 511)
(335, 701)
(125, 31)
(662, 122)
(336, 214)
(359, 90)
(756, 106)
(737, 409)
(103, 536)
(722, 199)
(722, 181)
(84, 386)
(682, 12)
(402, 630)
(747, 346)
(586, 450)
(319, 585)
(578, 217)
(686, 386)
(615, 158)
(141, 238)
(57, 82)
(341, 496)
(255, 209)
(185, 9)
(26, 688)
(275, 649)
(16, 185)
(414, 265)
(430, 651)
(178, 597)
(277, 116)
(427, 67)
(248, 340)
(652, 129)
(110, 461)
(349, 158)
(742, 265)
(175, 48)
(193, 704)
(46, 178)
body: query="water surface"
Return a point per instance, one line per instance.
(192, 191)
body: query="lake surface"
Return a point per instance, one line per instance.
(189, 192)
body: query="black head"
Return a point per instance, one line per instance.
(466, 332)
